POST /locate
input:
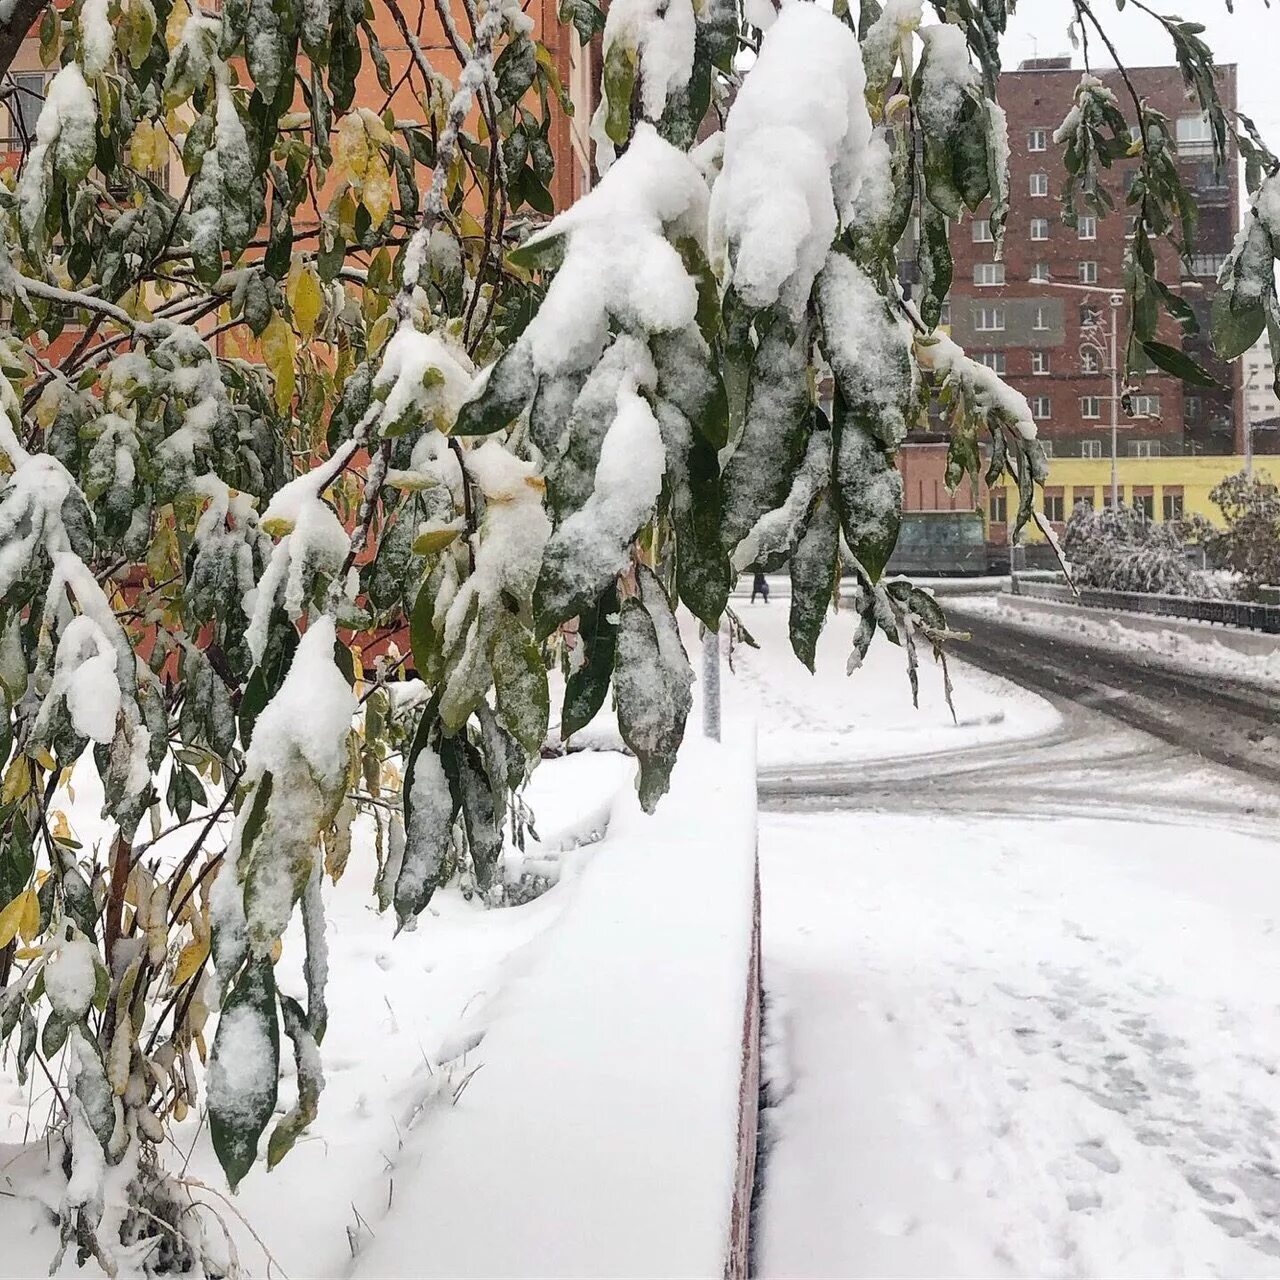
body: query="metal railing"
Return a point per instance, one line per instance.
(1229, 613)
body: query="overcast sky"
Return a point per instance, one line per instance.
(1250, 38)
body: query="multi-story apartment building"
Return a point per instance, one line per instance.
(1053, 343)
(1261, 406)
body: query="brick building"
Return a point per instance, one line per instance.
(1052, 343)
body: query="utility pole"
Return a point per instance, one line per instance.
(711, 683)
(1093, 342)
(1117, 300)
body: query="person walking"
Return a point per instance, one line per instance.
(759, 586)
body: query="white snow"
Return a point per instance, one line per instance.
(425, 373)
(241, 1075)
(619, 263)
(70, 977)
(1014, 1047)
(947, 76)
(794, 151)
(829, 717)
(598, 1135)
(662, 32)
(1196, 648)
(96, 37)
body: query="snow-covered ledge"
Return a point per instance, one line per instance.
(610, 1127)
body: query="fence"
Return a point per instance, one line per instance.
(1230, 613)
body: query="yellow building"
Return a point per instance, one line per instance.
(1170, 488)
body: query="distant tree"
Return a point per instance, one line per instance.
(1249, 545)
(1120, 549)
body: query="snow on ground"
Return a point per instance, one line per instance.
(1010, 1047)
(599, 1136)
(1192, 647)
(831, 717)
(405, 1015)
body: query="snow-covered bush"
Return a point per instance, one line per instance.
(1249, 545)
(318, 397)
(1120, 549)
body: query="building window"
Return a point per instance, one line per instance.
(1040, 273)
(994, 360)
(1041, 408)
(944, 315)
(1042, 323)
(1107, 500)
(1195, 136)
(1082, 498)
(1039, 228)
(988, 319)
(1040, 362)
(24, 107)
(999, 506)
(1053, 508)
(1191, 408)
(1038, 140)
(1039, 184)
(1172, 505)
(1130, 225)
(1146, 503)
(1145, 406)
(1144, 448)
(988, 273)
(1087, 227)
(982, 231)
(1091, 407)
(1091, 448)
(1207, 264)
(1089, 361)
(1088, 272)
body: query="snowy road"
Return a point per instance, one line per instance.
(1022, 1007)
(1220, 717)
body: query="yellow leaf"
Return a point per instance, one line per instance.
(190, 958)
(376, 193)
(17, 781)
(276, 948)
(469, 227)
(29, 925)
(305, 299)
(434, 540)
(351, 148)
(17, 914)
(278, 350)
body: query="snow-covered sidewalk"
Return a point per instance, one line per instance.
(830, 717)
(1008, 1047)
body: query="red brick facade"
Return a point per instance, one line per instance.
(1032, 332)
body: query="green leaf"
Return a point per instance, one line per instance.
(868, 491)
(1234, 332)
(585, 689)
(935, 265)
(244, 1069)
(506, 392)
(619, 82)
(306, 1056)
(520, 684)
(514, 70)
(814, 566)
(651, 682)
(587, 18)
(1178, 363)
(480, 814)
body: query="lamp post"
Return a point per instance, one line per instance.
(1095, 334)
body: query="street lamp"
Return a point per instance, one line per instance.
(1095, 333)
